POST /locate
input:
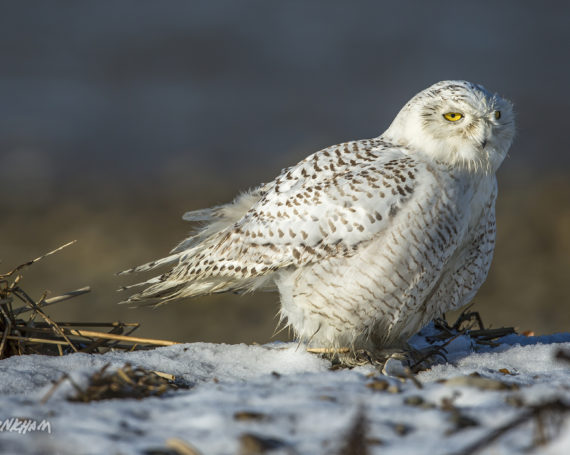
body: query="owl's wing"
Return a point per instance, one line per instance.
(305, 215)
(309, 219)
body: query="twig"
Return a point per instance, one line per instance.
(59, 298)
(535, 411)
(328, 350)
(28, 329)
(117, 330)
(100, 335)
(466, 315)
(91, 324)
(53, 388)
(181, 447)
(355, 440)
(108, 336)
(7, 330)
(33, 261)
(56, 328)
(121, 373)
(489, 334)
(125, 382)
(36, 340)
(408, 374)
(6, 310)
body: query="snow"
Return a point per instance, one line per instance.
(293, 400)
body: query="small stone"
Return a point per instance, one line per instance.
(249, 415)
(402, 429)
(476, 380)
(515, 400)
(374, 441)
(378, 384)
(462, 421)
(251, 444)
(414, 400)
(393, 389)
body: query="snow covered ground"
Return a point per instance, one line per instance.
(280, 399)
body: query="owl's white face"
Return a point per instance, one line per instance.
(458, 123)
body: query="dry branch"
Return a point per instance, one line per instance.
(59, 298)
(468, 323)
(125, 382)
(33, 261)
(536, 412)
(328, 350)
(40, 334)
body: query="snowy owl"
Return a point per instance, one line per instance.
(368, 240)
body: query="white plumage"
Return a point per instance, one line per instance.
(368, 240)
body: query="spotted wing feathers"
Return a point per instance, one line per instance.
(328, 205)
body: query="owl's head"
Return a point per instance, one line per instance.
(458, 123)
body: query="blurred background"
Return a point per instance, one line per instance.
(117, 117)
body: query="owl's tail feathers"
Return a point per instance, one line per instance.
(163, 290)
(216, 219)
(176, 284)
(151, 265)
(227, 213)
(154, 295)
(202, 214)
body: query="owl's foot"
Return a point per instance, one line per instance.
(392, 362)
(409, 361)
(343, 357)
(350, 358)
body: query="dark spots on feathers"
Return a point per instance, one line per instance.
(332, 226)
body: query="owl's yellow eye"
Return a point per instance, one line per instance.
(453, 116)
(497, 115)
